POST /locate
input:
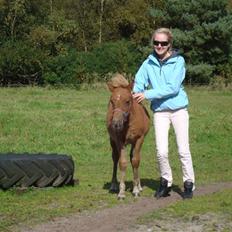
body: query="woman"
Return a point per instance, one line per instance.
(164, 72)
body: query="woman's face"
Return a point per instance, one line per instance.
(161, 44)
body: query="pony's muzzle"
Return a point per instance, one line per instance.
(117, 125)
(119, 119)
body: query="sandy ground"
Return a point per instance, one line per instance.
(123, 218)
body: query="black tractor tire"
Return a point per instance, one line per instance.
(39, 170)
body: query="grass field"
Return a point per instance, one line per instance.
(67, 121)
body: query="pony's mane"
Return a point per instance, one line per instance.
(119, 80)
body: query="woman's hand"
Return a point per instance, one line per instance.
(139, 97)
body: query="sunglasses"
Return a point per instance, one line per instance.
(162, 43)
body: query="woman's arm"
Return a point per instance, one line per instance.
(172, 82)
(141, 80)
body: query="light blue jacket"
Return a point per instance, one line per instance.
(164, 81)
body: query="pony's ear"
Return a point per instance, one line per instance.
(110, 86)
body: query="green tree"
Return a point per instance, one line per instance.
(129, 20)
(15, 12)
(85, 16)
(17, 17)
(202, 29)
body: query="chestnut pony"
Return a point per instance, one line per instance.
(127, 123)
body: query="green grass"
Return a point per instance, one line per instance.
(67, 121)
(218, 204)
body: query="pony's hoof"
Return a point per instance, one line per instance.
(136, 191)
(114, 188)
(136, 194)
(121, 197)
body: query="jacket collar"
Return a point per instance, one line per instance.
(153, 57)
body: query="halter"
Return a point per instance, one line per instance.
(119, 110)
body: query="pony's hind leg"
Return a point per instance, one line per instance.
(115, 158)
(123, 166)
(135, 161)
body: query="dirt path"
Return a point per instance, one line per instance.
(120, 218)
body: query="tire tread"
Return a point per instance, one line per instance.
(39, 170)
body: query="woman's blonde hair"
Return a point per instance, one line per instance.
(165, 31)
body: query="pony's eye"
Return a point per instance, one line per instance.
(128, 102)
(112, 103)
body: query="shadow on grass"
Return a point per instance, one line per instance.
(149, 183)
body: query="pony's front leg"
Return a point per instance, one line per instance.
(115, 158)
(122, 166)
(135, 161)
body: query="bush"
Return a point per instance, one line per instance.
(75, 68)
(69, 68)
(199, 74)
(20, 64)
(225, 72)
(61, 69)
(120, 56)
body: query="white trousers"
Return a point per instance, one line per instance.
(180, 121)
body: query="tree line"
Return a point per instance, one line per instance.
(71, 42)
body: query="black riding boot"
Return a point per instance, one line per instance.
(163, 190)
(188, 190)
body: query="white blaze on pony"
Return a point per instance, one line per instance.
(127, 123)
(118, 97)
